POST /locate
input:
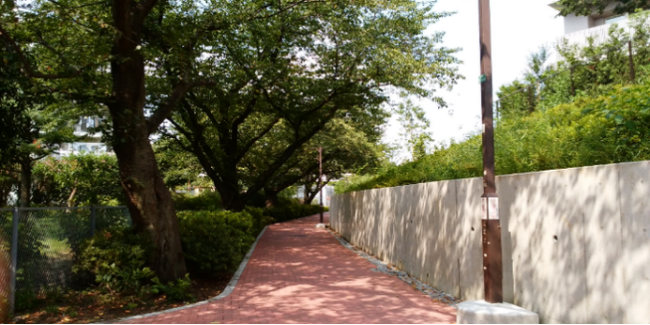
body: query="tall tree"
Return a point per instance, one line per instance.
(519, 96)
(115, 46)
(346, 149)
(284, 79)
(414, 125)
(28, 132)
(588, 7)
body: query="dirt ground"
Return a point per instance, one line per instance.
(91, 307)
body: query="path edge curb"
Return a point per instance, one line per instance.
(227, 291)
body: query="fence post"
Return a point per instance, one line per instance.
(632, 72)
(93, 215)
(14, 259)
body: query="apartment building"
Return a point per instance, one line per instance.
(577, 29)
(91, 141)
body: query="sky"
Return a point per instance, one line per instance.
(519, 28)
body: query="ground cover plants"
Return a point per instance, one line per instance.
(112, 277)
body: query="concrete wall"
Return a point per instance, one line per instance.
(575, 242)
(573, 23)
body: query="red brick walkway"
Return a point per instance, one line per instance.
(299, 274)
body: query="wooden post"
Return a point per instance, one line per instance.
(320, 180)
(491, 226)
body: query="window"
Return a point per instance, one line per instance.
(615, 19)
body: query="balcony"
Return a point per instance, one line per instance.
(599, 34)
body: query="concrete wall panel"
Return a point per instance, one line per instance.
(470, 249)
(634, 198)
(576, 242)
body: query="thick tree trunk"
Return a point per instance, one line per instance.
(151, 206)
(232, 201)
(310, 194)
(231, 197)
(25, 182)
(271, 198)
(148, 199)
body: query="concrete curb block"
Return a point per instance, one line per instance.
(481, 312)
(383, 267)
(227, 291)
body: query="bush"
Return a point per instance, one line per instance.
(175, 291)
(217, 241)
(119, 260)
(80, 180)
(287, 211)
(589, 131)
(206, 201)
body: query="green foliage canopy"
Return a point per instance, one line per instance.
(589, 7)
(77, 180)
(285, 79)
(609, 128)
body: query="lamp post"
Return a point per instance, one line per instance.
(491, 226)
(320, 179)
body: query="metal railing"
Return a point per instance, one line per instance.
(38, 246)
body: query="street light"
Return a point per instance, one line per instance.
(320, 179)
(491, 225)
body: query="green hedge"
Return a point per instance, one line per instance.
(286, 212)
(214, 242)
(206, 201)
(610, 128)
(217, 241)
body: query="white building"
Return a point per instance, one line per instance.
(573, 23)
(577, 29)
(328, 193)
(91, 142)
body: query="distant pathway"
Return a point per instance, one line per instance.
(299, 274)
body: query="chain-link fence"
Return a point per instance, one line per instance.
(38, 247)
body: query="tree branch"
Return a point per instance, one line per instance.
(287, 8)
(242, 153)
(163, 112)
(28, 69)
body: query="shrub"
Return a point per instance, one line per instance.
(260, 219)
(175, 291)
(287, 211)
(119, 260)
(589, 131)
(206, 201)
(80, 180)
(217, 241)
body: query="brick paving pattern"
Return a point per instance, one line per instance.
(300, 274)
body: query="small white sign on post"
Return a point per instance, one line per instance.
(493, 208)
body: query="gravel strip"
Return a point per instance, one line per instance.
(382, 267)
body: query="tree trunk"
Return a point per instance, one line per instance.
(71, 197)
(309, 199)
(271, 198)
(151, 207)
(25, 182)
(310, 194)
(5, 189)
(231, 199)
(148, 199)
